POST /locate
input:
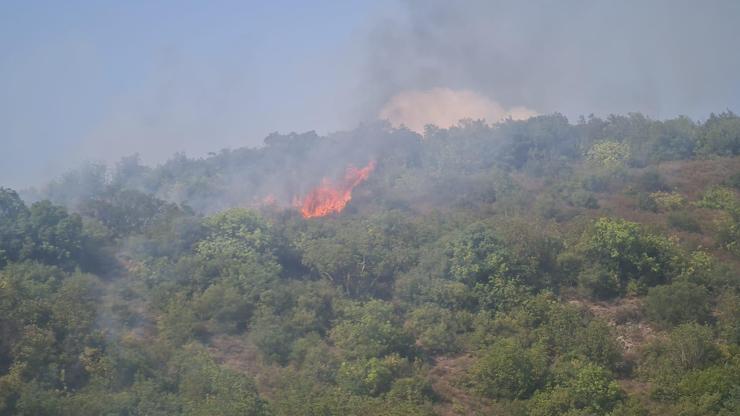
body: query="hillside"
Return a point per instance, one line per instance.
(536, 267)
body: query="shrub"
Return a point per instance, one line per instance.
(650, 181)
(273, 338)
(586, 389)
(646, 203)
(596, 183)
(509, 371)
(728, 316)
(412, 389)
(677, 303)
(583, 199)
(733, 181)
(728, 235)
(372, 376)
(719, 197)
(435, 329)
(609, 155)
(685, 221)
(597, 343)
(371, 330)
(314, 358)
(688, 347)
(668, 201)
(600, 281)
(720, 135)
(624, 251)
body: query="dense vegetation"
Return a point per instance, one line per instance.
(527, 268)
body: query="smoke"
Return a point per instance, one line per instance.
(444, 107)
(662, 58)
(102, 82)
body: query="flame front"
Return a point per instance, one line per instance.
(329, 197)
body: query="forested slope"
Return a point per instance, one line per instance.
(531, 267)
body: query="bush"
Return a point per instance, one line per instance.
(720, 135)
(688, 347)
(728, 317)
(609, 155)
(599, 281)
(372, 376)
(436, 329)
(313, 356)
(728, 235)
(585, 389)
(719, 197)
(624, 250)
(583, 199)
(371, 330)
(668, 201)
(598, 344)
(677, 303)
(412, 389)
(685, 221)
(646, 203)
(273, 337)
(733, 181)
(650, 181)
(596, 183)
(209, 389)
(509, 371)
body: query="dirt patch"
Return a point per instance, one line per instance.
(447, 377)
(239, 354)
(625, 316)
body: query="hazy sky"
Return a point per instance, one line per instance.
(96, 80)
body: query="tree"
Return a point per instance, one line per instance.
(238, 249)
(361, 256)
(609, 155)
(13, 226)
(509, 371)
(621, 251)
(371, 329)
(207, 389)
(436, 329)
(720, 135)
(585, 389)
(371, 376)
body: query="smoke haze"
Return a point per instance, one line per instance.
(96, 82)
(662, 58)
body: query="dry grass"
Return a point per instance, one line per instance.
(447, 377)
(693, 177)
(239, 354)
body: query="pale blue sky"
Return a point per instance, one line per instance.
(97, 80)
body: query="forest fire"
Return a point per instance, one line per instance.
(330, 197)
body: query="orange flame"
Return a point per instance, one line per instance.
(329, 197)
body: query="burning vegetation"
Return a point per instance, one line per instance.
(331, 197)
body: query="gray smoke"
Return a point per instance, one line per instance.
(662, 58)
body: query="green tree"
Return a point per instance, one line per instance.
(13, 226)
(509, 371)
(370, 330)
(609, 155)
(371, 376)
(720, 135)
(208, 389)
(620, 251)
(436, 329)
(588, 390)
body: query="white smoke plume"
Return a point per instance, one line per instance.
(445, 107)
